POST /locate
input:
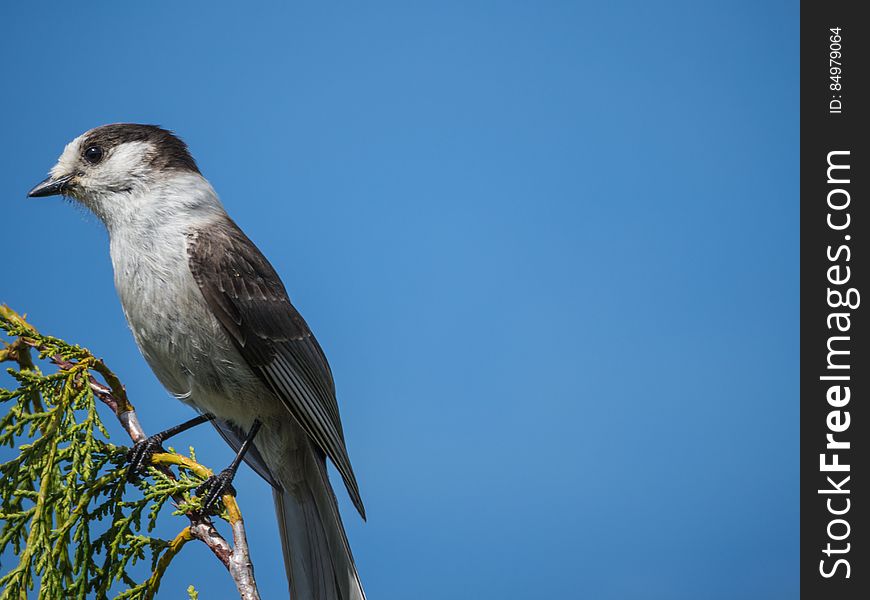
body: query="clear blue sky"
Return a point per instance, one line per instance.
(550, 248)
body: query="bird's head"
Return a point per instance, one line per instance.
(108, 167)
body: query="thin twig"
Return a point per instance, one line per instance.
(175, 547)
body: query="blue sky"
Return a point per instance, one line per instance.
(551, 250)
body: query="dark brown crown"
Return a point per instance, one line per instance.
(171, 152)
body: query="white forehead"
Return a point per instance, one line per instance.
(69, 158)
(123, 158)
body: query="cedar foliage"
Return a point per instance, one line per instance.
(68, 514)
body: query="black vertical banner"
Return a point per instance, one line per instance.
(835, 300)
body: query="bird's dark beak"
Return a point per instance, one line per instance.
(50, 187)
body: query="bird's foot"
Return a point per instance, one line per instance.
(213, 489)
(139, 456)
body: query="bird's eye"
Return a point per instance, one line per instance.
(94, 154)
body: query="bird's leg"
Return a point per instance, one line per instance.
(140, 454)
(217, 485)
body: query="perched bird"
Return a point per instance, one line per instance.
(214, 322)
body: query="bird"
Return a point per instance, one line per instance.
(214, 322)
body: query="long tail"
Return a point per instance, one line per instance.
(316, 552)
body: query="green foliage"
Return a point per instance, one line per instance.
(68, 481)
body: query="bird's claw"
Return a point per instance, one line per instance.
(139, 456)
(213, 489)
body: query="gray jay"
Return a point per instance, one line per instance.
(214, 322)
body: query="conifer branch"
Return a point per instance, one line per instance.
(67, 476)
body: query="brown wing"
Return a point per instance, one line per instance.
(247, 296)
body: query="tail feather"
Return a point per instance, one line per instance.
(317, 555)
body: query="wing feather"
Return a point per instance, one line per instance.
(248, 298)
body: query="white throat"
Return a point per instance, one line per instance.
(179, 200)
(148, 234)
